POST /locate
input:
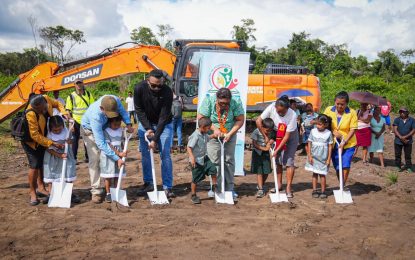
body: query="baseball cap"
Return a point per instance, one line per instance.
(79, 81)
(110, 106)
(403, 109)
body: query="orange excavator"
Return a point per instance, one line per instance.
(181, 69)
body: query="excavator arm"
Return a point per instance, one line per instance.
(47, 76)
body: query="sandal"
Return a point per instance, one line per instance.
(34, 202)
(290, 195)
(323, 195)
(41, 194)
(45, 200)
(315, 194)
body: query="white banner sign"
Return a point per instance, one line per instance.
(226, 69)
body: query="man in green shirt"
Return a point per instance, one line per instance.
(228, 116)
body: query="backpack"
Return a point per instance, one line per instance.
(176, 108)
(20, 127)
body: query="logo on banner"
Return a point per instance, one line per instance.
(221, 76)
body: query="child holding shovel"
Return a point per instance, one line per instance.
(53, 160)
(261, 162)
(197, 150)
(114, 135)
(319, 149)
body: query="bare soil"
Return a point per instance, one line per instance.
(380, 224)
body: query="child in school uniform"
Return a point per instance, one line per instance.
(53, 160)
(319, 151)
(109, 170)
(261, 162)
(200, 162)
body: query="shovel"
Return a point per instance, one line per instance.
(225, 197)
(341, 196)
(61, 193)
(277, 196)
(117, 194)
(211, 194)
(155, 196)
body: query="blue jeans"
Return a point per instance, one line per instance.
(177, 126)
(164, 145)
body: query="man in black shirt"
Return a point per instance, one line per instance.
(153, 100)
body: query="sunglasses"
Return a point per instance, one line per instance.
(154, 86)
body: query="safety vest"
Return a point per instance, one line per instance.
(78, 104)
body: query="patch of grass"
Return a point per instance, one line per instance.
(189, 115)
(5, 128)
(7, 146)
(392, 178)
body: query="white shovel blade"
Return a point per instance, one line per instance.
(60, 196)
(120, 196)
(224, 198)
(157, 197)
(278, 197)
(342, 197)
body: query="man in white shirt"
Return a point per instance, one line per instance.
(130, 106)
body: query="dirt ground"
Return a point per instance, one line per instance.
(380, 224)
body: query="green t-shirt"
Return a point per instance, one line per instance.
(208, 109)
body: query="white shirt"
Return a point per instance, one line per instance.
(290, 118)
(130, 104)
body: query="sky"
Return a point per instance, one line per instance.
(367, 27)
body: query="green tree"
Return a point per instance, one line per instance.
(14, 63)
(410, 69)
(60, 40)
(164, 32)
(360, 66)
(301, 50)
(144, 35)
(244, 33)
(389, 65)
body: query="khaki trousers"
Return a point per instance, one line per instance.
(93, 165)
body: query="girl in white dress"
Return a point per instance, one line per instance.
(53, 160)
(319, 151)
(109, 170)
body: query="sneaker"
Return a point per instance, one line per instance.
(96, 198)
(315, 194)
(108, 198)
(147, 187)
(169, 193)
(75, 199)
(410, 170)
(195, 199)
(260, 193)
(323, 195)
